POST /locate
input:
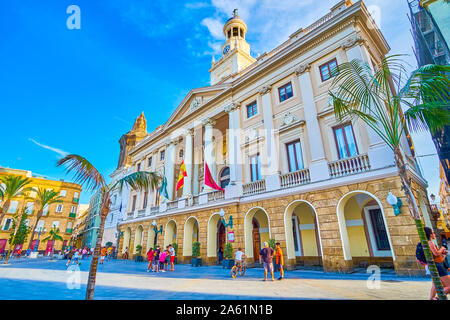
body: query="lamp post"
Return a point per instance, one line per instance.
(395, 202)
(225, 224)
(156, 230)
(37, 241)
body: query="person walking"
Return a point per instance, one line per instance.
(102, 255)
(266, 255)
(83, 253)
(156, 258)
(172, 254)
(279, 260)
(109, 252)
(162, 260)
(125, 254)
(150, 254)
(76, 257)
(438, 257)
(219, 255)
(69, 256)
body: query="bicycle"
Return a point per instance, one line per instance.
(242, 268)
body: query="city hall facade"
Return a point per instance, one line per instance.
(291, 171)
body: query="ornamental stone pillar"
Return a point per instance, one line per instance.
(187, 188)
(234, 188)
(169, 166)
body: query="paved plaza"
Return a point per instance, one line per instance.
(118, 279)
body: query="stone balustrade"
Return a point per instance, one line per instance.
(348, 166)
(253, 188)
(216, 195)
(295, 178)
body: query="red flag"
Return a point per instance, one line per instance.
(209, 181)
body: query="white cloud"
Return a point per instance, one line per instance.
(62, 153)
(215, 27)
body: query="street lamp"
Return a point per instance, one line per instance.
(395, 202)
(225, 224)
(156, 229)
(36, 246)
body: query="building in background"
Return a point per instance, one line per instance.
(430, 20)
(119, 198)
(291, 171)
(80, 222)
(59, 215)
(92, 222)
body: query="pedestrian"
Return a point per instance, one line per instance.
(150, 254)
(69, 257)
(238, 256)
(76, 257)
(108, 253)
(102, 255)
(84, 252)
(19, 252)
(156, 258)
(28, 252)
(438, 257)
(172, 257)
(279, 260)
(125, 254)
(266, 255)
(219, 255)
(162, 260)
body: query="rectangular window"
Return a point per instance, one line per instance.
(255, 167)
(328, 70)
(63, 193)
(13, 207)
(7, 224)
(134, 203)
(144, 205)
(75, 195)
(73, 209)
(285, 92)
(29, 208)
(138, 167)
(345, 141)
(45, 210)
(252, 109)
(59, 208)
(40, 225)
(149, 162)
(294, 154)
(55, 224)
(379, 229)
(162, 155)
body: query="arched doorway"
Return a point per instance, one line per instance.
(138, 237)
(221, 235)
(303, 241)
(126, 240)
(365, 236)
(170, 235)
(256, 231)
(191, 235)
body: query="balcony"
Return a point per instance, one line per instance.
(172, 204)
(68, 230)
(72, 215)
(154, 210)
(75, 200)
(348, 166)
(141, 213)
(252, 188)
(295, 178)
(216, 195)
(130, 215)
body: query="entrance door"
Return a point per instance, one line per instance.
(221, 236)
(49, 247)
(296, 233)
(379, 229)
(2, 245)
(256, 240)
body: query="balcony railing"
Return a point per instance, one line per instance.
(141, 213)
(68, 230)
(216, 195)
(154, 210)
(130, 215)
(348, 166)
(75, 200)
(195, 200)
(172, 205)
(295, 178)
(72, 215)
(253, 188)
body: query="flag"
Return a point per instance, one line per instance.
(120, 209)
(181, 176)
(209, 181)
(163, 189)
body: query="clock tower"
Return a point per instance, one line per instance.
(235, 52)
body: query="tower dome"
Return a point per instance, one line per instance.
(235, 27)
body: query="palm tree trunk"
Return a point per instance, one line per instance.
(98, 244)
(414, 210)
(12, 241)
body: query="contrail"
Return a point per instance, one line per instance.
(62, 153)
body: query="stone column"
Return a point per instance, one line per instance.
(169, 166)
(380, 155)
(210, 158)
(318, 168)
(234, 189)
(187, 188)
(271, 172)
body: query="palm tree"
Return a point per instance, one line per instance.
(44, 198)
(11, 187)
(53, 236)
(17, 224)
(86, 173)
(359, 92)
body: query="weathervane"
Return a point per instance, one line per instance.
(235, 14)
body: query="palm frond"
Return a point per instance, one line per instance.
(84, 171)
(139, 180)
(13, 186)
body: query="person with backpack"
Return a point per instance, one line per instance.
(438, 257)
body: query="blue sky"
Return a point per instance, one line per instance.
(77, 91)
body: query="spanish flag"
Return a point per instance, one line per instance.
(181, 176)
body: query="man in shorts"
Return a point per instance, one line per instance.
(238, 255)
(102, 255)
(266, 255)
(172, 257)
(279, 260)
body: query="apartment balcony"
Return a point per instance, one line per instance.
(68, 230)
(348, 166)
(72, 215)
(130, 215)
(75, 200)
(255, 187)
(141, 213)
(296, 178)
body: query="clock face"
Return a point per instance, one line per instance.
(226, 49)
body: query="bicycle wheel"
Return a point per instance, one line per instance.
(234, 272)
(243, 269)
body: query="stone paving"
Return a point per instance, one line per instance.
(118, 279)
